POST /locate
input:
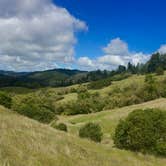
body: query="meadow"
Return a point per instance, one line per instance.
(25, 141)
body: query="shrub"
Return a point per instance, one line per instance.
(160, 71)
(120, 77)
(91, 131)
(150, 88)
(32, 108)
(99, 84)
(61, 126)
(144, 131)
(5, 100)
(85, 104)
(35, 112)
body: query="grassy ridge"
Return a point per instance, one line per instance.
(108, 119)
(24, 142)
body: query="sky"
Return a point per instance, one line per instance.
(81, 34)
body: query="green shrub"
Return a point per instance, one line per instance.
(5, 100)
(61, 126)
(143, 130)
(91, 131)
(85, 104)
(160, 71)
(35, 109)
(120, 77)
(99, 84)
(35, 112)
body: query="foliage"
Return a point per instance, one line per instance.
(91, 131)
(160, 71)
(143, 130)
(108, 81)
(5, 100)
(61, 126)
(99, 84)
(150, 89)
(119, 77)
(35, 107)
(86, 103)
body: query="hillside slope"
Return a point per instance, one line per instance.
(108, 119)
(24, 142)
(56, 77)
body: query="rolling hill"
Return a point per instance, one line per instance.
(56, 77)
(108, 119)
(26, 142)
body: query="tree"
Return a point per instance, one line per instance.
(121, 69)
(154, 62)
(131, 68)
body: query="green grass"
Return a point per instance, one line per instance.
(24, 142)
(17, 90)
(68, 98)
(108, 119)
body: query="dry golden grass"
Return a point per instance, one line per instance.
(24, 142)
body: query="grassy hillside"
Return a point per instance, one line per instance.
(24, 142)
(54, 78)
(108, 119)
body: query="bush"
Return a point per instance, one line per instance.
(32, 108)
(160, 71)
(91, 131)
(35, 112)
(150, 88)
(5, 100)
(62, 127)
(99, 84)
(144, 131)
(85, 104)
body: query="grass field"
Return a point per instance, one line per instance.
(24, 142)
(135, 80)
(108, 119)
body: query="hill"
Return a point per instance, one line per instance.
(27, 142)
(51, 78)
(56, 77)
(108, 119)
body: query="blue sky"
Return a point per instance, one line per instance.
(141, 23)
(82, 34)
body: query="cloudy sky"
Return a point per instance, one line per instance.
(46, 34)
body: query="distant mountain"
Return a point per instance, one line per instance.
(56, 77)
(53, 78)
(12, 73)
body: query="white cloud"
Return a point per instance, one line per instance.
(111, 59)
(36, 34)
(116, 47)
(85, 61)
(162, 49)
(116, 53)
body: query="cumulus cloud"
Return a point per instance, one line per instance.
(162, 49)
(114, 54)
(116, 47)
(36, 34)
(85, 61)
(111, 59)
